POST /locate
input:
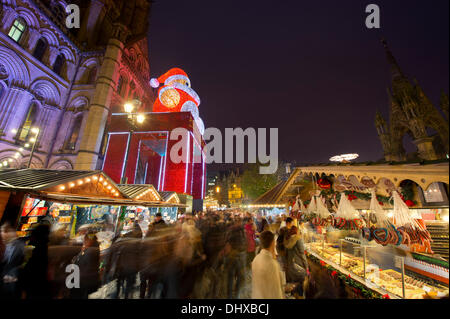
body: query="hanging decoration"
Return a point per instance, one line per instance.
(412, 229)
(323, 216)
(347, 217)
(324, 183)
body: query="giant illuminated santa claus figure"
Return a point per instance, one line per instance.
(176, 95)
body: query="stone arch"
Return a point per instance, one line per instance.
(49, 36)
(385, 186)
(91, 62)
(368, 181)
(440, 126)
(79, 103)
(87, 67)
(36, 162)
(29, 17)
(44, 88)
(62, 164)
(428, 183)
(68, 54)
(3, 89)
(398, 131)
(16, 70)
(7, 155)
(10, 3)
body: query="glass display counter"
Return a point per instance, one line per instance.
(379, 268)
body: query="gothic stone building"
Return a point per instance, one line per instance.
(67, 82)
(412, 113)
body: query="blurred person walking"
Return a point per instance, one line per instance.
(88, 260)
(295, 260)
(235, 263)
(250, 232)
(266, 273)
(35, 281)
(11, 260)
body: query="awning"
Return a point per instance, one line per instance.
(83, 187)
(141, 192)
(358, 174)
(170, 197)
(62, 198)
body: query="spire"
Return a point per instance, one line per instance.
(396, 72)
(379, 118)
(444, 103)
(380, 123)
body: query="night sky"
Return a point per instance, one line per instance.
(310, 68)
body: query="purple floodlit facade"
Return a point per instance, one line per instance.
(54, 78)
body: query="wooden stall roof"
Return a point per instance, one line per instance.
(69, 182)
(169, 197)
(82, 187)
(424, 174)
(270, 197)
(63, 198)
(141, 192)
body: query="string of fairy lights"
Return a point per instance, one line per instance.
(88, 180)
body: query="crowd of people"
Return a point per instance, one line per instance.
(206, 255)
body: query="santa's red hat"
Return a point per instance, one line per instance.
(169, 76)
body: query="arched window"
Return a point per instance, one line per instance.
(59, 63)
(40, 49)
(72, 142)
(28, 123)
(18, 29)
(92, 75)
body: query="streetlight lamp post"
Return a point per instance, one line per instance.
(34, 139)
(133, 119)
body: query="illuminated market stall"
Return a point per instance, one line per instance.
(380, 231)
(269, 203)
(74, 201)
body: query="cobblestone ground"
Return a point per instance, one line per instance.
(107, 291)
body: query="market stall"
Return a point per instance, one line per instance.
(381, 230)
(269, 204)
(73, 202)
(170, 211)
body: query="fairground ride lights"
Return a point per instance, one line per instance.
(344, 157)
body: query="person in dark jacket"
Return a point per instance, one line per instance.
(35, 273)
(127, 250)
(10, 263)
(88, 261)
(296, 263)
(235, 260)
(159, 220)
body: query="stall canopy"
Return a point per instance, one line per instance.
(358, 174)
(61, 182)
(170, 197)
(141, 192)
(83, 187)
(270, 197)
